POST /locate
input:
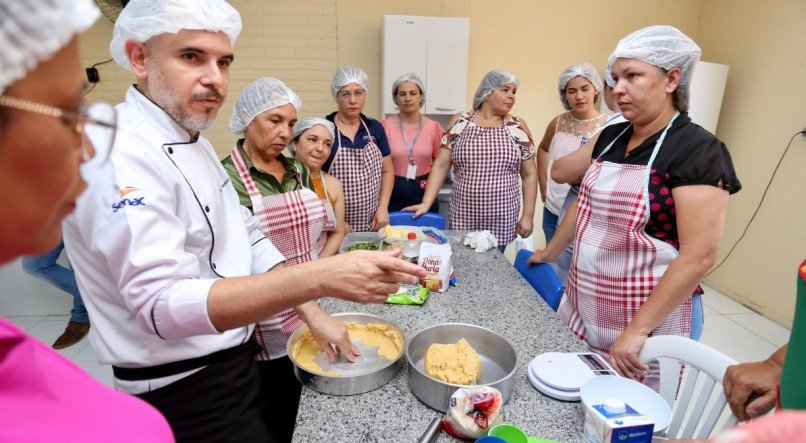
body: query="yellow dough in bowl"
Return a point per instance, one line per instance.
(375, 335)
(456, 363)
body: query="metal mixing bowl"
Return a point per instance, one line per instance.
(498, 362)
(374, 378)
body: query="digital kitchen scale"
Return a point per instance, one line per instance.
(561, 375)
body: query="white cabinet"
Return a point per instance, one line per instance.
(705, 95)
(434, 48)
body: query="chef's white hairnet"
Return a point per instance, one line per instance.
(662, 46)
(32, 31)
(492, 81)
(142, 19)
(257, 97)
(584, 70)
(345, 76)
(408, 77)
(308, 123)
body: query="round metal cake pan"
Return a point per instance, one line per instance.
(498, 362)
(352, 384)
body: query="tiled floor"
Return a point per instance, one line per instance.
(729, 327)
(48, 328)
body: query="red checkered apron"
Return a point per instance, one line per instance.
(296, 222)
(616, 264)
(486, 181)
(360, 173)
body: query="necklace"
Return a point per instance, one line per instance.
(581, 128)
(585, 120)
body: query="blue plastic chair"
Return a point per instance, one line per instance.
(429, 219)
(542, 277)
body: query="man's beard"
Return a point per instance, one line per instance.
(167, 99)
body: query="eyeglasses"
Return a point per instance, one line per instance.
(95, 123)
(347, 94)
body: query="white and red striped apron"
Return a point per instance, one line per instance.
(296, 222)
(616, 264)
(486, 182)
(359, 171)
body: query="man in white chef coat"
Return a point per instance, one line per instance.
(172, 268)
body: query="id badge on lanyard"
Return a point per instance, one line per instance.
(411, 169)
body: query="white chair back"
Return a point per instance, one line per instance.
(699, 406)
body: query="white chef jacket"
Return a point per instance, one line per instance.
(156, 228)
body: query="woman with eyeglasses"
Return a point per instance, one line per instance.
(44, 138)
(360, 158)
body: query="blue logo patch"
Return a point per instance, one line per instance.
(127, 202)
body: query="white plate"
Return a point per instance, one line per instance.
(641, 397)
(415, 229)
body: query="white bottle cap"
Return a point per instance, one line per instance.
(614, 406)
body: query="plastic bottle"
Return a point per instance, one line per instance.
(411, 249)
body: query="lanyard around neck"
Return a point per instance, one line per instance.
(410, 145)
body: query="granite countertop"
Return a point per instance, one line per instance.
(491, 294)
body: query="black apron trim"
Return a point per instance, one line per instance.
(178, 367)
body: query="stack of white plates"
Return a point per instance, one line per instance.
(561, 375)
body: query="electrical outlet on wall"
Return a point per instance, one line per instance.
(93, 76)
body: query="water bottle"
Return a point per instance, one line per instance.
(411, 249)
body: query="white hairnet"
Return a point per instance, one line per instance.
(662, 46)
(345, 76)
(408, 77)
(492, 81)
(308, 123)
(142, 19)
(257, 97)
(32, 31)
(584, 70)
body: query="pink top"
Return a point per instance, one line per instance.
(425, 150)
(45, 397)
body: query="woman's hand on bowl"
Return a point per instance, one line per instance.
(329, 333)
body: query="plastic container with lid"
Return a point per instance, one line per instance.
(361, 240)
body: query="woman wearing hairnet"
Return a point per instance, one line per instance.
(580, 88)
(490, 150)
(43, 141)
(414, 140)
(311, 144)
(651, 206)
(277, 189)
(360, 158)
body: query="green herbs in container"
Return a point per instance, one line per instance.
(365, 246)
(361, 241)
(409, 295)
